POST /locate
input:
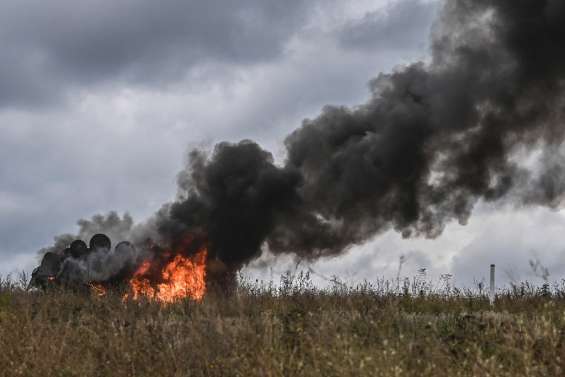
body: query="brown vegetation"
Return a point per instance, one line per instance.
(288, 330)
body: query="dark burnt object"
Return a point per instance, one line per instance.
(180, 270)
(55, 266)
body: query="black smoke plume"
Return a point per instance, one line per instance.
(433, 139)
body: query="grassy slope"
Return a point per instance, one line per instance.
(294, 332)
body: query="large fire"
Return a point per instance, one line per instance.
(181, 277)
(161, 273)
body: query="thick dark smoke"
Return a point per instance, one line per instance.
(433, 139)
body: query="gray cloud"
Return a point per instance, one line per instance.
(49, 47)
(119, 144)
(508, 237)
(54, 170)
(122, 151)
(511, 239)
(52, 173)
(402, 25)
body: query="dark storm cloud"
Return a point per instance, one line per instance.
(119, 146)
(400, 25)
(432, 141)
(48, 47)
(52, 168)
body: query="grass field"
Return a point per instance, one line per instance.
(291, 329)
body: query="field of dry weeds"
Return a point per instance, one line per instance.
(290, 329)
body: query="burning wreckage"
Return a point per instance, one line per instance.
(155, 273)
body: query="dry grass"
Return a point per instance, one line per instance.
(292, 330)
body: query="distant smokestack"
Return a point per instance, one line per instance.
(492, 288)
(432, 140)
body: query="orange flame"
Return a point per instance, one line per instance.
(182, 277)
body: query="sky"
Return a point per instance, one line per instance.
(101, 101)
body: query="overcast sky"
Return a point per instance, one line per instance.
(100, 101)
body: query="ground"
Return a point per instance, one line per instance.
(292, 329)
